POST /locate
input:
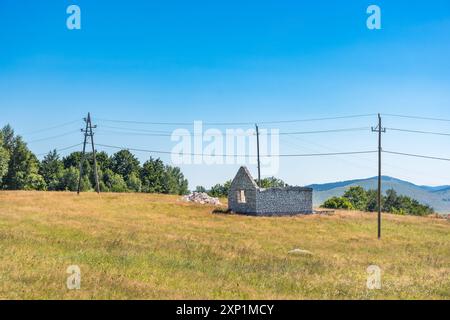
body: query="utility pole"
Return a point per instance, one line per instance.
(257, 151)
(88, 132)
(380, 130)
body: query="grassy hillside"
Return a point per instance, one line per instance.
(157, 247)
(438, 197)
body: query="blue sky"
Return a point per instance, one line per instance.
(233, 61)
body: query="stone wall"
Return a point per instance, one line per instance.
(273, 201)
(284, 201)
(243, 181)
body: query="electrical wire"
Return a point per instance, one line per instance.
(237, 123)
(418, 131)
(415, 117)
(416, 155)
(61, 149)
(169, 134)
(235, 155)
(325, 131)
(54, 137)
(52, 127)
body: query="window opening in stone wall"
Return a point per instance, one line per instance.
(241, 196)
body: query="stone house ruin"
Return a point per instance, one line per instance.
(246, 197)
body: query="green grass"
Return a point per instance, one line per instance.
(140, 246)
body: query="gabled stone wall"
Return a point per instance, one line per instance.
(273, 201)
(243, 181)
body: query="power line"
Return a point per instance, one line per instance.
(237, 123)
(325, 154)
(102, 132)
(296, 139)
(169, 134)
(134, 129)
(325, 131)
(54, 137)
(145, 122)
(236, 155)
(418, 131)
(151, 132)
(52, 127)
(415, 117)
(240, 123)
(319, 119)
(138, 131)
(416, 155)
(61, 149)
(282, 155)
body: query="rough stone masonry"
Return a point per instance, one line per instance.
(246, 197)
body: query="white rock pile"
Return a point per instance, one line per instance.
(202, 198)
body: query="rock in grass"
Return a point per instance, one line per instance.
(300, 252)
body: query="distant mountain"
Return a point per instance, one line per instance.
(436, 197)
(434, 189)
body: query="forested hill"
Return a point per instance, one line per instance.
(437, 197)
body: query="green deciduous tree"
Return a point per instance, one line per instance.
(114, 182)
(4, 160)
(391, 202)
(23, 168)
(133, 182)
(272, 182)
(153, 176)
(72, 160)
(338, 203)
(372, 200)
(86, 184)
(220, 190)
(124, 163)
(103, 160)
(69, 179)
(357, 197)
(175, 183)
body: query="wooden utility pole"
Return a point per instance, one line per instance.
(257, 151)
(88, 132)
(380, 130)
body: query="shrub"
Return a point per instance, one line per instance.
(272, 182)
(338, 203)
(220, 190)
(134, 183)
(114, 182)
(357, 197)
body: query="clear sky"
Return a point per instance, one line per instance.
(234, 61)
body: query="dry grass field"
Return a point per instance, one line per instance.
(140, 246)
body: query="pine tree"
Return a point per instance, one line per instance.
(52, 169)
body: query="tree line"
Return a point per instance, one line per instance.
(20, 169)
(357, 198)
